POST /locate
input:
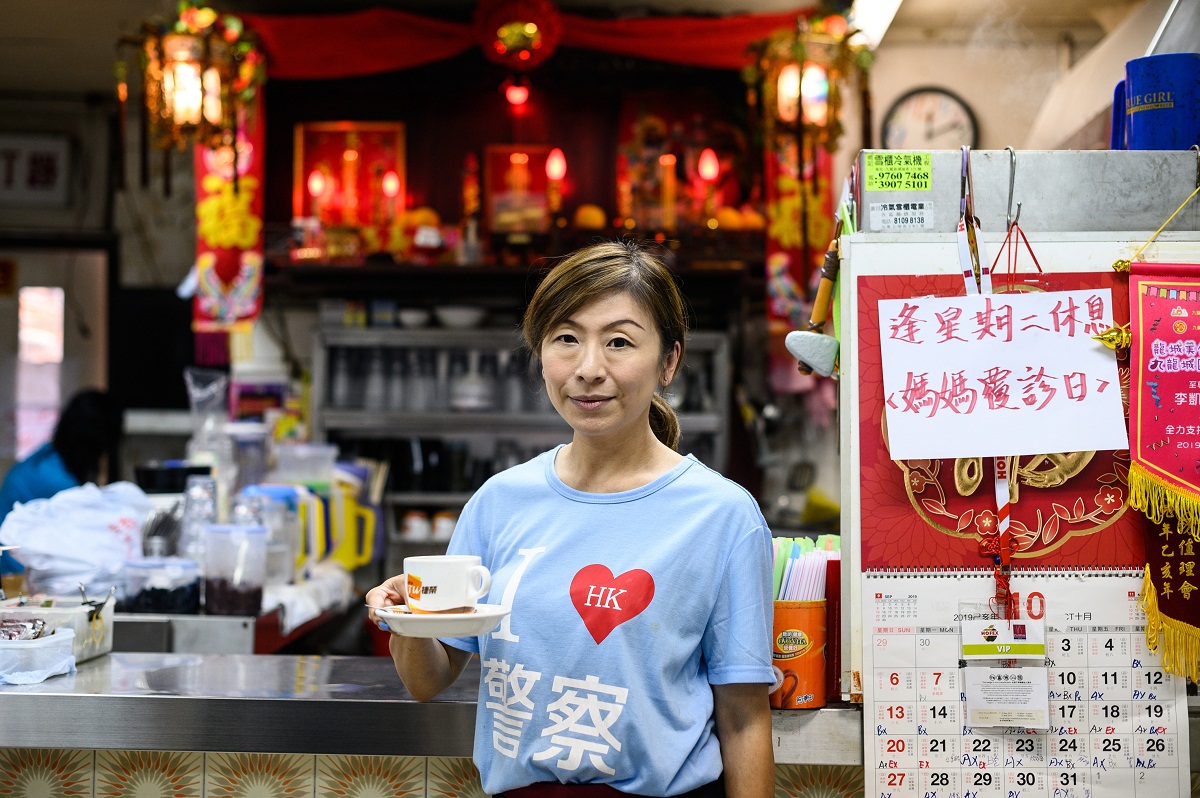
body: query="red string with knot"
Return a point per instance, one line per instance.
(999, 547)
(1010, 249)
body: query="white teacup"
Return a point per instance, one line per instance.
(445, 582)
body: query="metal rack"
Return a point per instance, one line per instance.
(539, 427)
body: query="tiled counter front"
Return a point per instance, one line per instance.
(67, 773)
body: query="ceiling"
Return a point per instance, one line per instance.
(68, 47)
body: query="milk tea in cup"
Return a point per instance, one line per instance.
(445, 583)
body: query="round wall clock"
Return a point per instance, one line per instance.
(929, 118)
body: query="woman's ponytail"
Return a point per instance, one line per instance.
(663, 422)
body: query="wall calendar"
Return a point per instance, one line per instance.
(1118, 723)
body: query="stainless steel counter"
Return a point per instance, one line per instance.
(303, 705)
(239, 702)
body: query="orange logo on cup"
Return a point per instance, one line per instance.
(791, 643)
(414, 588)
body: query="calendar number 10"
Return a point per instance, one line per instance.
(1035, 605)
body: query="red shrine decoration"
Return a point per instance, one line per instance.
(229, 242)
(518, 34)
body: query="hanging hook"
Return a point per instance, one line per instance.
(1009, 219)
(967, 189)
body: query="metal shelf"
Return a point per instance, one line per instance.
(421, 338)
(403, 424)
(426, 498)
(707, 346)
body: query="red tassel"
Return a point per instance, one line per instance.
(212, 348)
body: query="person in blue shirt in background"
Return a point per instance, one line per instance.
(89, 427)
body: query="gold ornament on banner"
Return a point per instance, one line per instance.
(1115, 338)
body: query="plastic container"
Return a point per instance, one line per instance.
(281, 515)
(235, 569)
(93, 632)
(33, 661)
(169, 585)
(304, 463)
(280, 559)
(249, 451)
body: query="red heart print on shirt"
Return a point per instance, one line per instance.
(604, 601)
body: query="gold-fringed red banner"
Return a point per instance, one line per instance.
(1171, 601)
(1164, 448)
(1164, 399)
(229, 209)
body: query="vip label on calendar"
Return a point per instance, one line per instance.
(1115, 723)
(998, 639)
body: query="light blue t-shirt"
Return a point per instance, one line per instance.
(626, 609)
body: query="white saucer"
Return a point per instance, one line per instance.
(404, 622)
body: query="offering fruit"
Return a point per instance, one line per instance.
(729, 218)
(590, 217)
(423, 216)
(752, 220)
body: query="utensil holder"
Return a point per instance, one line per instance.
(798, 654)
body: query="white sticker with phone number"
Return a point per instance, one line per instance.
(892, 216)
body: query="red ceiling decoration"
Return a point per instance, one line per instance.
(375, 40)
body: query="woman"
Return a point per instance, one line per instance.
(89, 427)
(636, 659)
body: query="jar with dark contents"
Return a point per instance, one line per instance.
(235, 569)
(222, 597)
(164, 585)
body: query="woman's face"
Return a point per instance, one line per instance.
(603, 364)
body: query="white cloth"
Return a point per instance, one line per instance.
(330, 587)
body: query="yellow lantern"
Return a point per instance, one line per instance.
(800, 71)
(197, 71)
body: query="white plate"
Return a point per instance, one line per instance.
(406, 623)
